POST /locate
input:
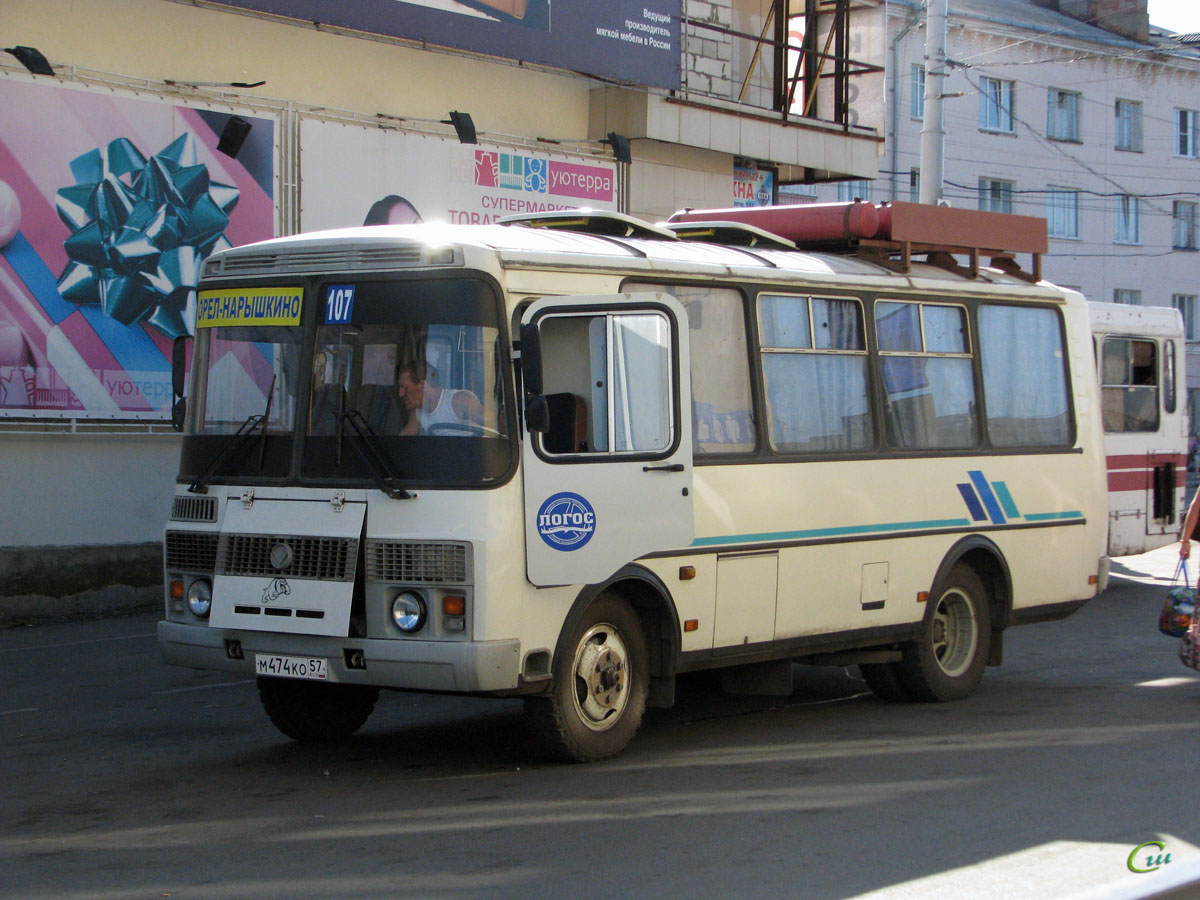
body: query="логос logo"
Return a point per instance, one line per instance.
(566, 521)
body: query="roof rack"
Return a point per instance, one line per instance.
(889, 234)
(591, 221)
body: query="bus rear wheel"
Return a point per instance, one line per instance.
(599, 686)
(316, 711)
(947, 661)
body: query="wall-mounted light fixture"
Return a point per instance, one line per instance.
(32, 59)
(620, 146)
(463, 126)
(233, 135)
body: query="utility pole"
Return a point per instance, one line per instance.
(933, 135)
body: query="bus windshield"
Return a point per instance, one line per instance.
(242, 415)
(407, 385)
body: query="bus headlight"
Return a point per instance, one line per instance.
(199, 598)
(408, 612)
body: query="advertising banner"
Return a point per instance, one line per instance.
(402, 177)
(108, 205)
(753, 186)
(635, 41)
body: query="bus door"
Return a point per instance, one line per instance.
(607, 444)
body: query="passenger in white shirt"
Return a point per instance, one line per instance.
(430, 404)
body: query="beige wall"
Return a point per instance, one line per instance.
(161, 40)
(85, 489)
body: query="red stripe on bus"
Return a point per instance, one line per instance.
(1142, 460)
(1139, 481)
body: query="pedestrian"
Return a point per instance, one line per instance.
(1189, 526)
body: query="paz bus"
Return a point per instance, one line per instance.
(569, 457)
(1140, 356)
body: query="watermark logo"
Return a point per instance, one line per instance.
(566, 521)
(1146, 853)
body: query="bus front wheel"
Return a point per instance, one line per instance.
(316, 711)
(947, 661)
(599, 686)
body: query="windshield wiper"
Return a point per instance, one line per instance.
(238, 440)
(363, 440)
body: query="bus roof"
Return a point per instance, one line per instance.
(1125, 318)
(518, 246)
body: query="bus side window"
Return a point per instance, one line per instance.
(722, 411)
(1129, 369)
(607, 381)
(1169, 377)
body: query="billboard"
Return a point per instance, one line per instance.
(635, 41)
(402, 177)
(108, 205)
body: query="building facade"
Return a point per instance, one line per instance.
(1076, 111)
(142, 135)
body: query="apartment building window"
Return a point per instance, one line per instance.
(1186, 304)
(1187, 138)
(914, 185)
(995, 195)
(1129, 125)
(859, 189)
(1129, 230)
(916, 104)
(1183, 215)
(996, 104)
(1127, 297)
(1062, 212)
(1062, 115)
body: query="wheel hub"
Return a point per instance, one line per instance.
(601, 675)
(954, 633)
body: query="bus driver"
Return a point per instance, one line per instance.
(429, 404)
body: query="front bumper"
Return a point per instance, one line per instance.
(457, 667)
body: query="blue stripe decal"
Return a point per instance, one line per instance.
(988, 498)
(972, 501)
(848, 530)
(1049, 517)
(1006, 500)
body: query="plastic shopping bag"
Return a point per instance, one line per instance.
(1189, 645)
(1179, 609)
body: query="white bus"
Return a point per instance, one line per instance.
(571, 457)
(1140, 355)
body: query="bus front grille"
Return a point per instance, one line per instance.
(409, 562)
(318, 558)
(191, 551)
(194, 509)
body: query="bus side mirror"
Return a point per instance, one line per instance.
(537, 414)
(178, 365)
(531, 359)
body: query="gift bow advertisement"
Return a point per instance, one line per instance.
(108, 206)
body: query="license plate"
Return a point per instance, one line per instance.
(308, 668)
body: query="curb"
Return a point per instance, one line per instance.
(114, 600)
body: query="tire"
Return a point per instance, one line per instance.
(884, 681)
(599, 686)
(316, 711)
(947, 661)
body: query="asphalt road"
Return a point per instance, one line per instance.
(123, 778)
